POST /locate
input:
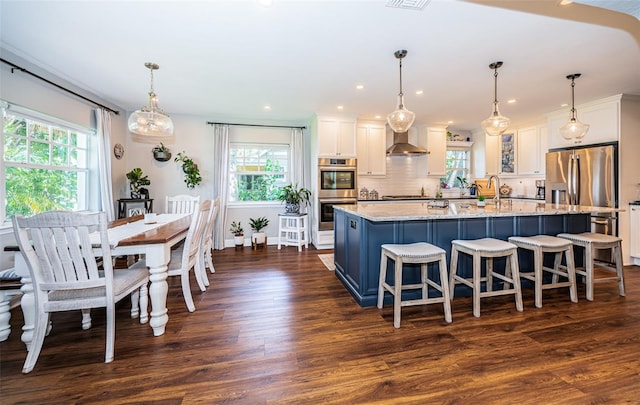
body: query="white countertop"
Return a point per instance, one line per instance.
(408, 211)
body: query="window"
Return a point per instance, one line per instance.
(257, 171)
(44, 166)
(458, 166)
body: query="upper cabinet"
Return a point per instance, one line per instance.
(336, 137)
(602, 116)
(372, 149)
(532, 147)
(434, 140)
(500, 154)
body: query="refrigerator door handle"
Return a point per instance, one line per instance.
(570, 181)
(576, 179)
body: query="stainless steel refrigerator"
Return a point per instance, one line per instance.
(585, 176)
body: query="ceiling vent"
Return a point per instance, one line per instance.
(408, 4)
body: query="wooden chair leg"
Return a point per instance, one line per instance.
(397, 295)
(382, 279)
(446, 299)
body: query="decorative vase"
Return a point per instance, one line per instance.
(480, 204)
(238, 240)
(292, 208)
(136, 195)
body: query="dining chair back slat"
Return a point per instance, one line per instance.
(181, 204)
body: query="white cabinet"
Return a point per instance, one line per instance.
(372, 150)
(336, 138)
(634, 231)
(492, 151)
(435, 141)
(531, 148)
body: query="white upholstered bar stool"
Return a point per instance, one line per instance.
(541, 244)
(487, 248)
(422, 253)
(592, 242)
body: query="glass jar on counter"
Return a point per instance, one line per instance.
(373, 194)
(364, 193)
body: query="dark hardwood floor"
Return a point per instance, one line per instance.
(277, 327)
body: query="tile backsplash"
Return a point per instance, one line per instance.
(406, 176)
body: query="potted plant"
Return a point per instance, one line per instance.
(464, 185)
(293, 197)
(480, 202)
(161, 153)
(190, 169)
(238, 233)
(257, 224)
(136, 180)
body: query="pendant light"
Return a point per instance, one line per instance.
(497, 123)
(574, 129)
(151, 120)
(401, 119)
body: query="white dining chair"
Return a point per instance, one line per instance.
(58, 250)
(181, 204)
(186, 256)
(207, 241)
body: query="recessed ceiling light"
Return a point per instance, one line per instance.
(449, 122)
(564, 105)
(419, 92)
(267, 107)
(513, 100)
(340, 107)
(265, 3)
(378, 117)
(565, 2)
(360, 87)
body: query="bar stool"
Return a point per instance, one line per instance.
(487, 248)
(541, 244)
(595, 241)
(422, 253)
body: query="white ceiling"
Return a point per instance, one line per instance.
(230, 58)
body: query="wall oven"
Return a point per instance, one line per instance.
(337, 178)
(325, 219)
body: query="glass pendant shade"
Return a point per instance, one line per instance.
(401, 119)
(497, 123)
(151, 120)
(574, 129)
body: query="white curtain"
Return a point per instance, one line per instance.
(220, 180)
(298, 171)
(103, 127)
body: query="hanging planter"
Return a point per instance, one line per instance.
(190, 168)
(161, 153)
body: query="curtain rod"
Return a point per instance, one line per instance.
(254, 125)
(14, 67)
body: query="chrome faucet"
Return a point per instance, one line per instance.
(497, 181)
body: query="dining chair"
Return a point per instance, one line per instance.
(181, 204)
(207, 241)
(186, 256)
(58, 249)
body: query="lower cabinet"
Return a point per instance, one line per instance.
(634, 230)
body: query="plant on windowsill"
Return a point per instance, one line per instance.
(190, 168)
(464, 185)
(161, 153)
(293, 197)
(136, 180)
(257, 224)
(238, 233)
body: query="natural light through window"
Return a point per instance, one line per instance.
(458, 167)
(257, 171)
(44, 167)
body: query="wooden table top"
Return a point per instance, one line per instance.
(161, 234)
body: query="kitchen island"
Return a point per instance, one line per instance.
(361, 229)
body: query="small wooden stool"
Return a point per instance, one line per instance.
(541, 244)
(487, 248)
(591, 242)
(422, 253)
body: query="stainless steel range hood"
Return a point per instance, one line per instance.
(402, 147)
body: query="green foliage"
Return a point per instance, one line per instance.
(293, 195)
(160, 148)
(480, 198)
(30, 191)
(137, 179)
(190, 168)
(257, 224)
(261, 187)
(236, 228)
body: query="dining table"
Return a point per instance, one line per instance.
(127, 237)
